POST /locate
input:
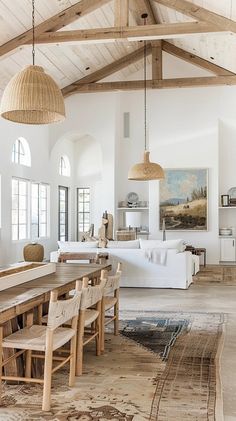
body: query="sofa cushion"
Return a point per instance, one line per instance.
(169, 244)
(76, 246)
(132, 244)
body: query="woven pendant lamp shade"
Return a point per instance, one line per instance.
(146, 170)
(32, 97)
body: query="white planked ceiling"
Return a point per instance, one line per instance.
(69, 62)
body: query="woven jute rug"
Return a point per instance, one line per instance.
(163, 366)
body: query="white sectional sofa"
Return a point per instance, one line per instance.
(146, 264)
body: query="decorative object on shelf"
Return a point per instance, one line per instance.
(145, 170)
(33, 252)
(224, 200)
(183, 199)
(132, 199)
(232, 196)
(225, 231)
(32, 96)
(126, 235)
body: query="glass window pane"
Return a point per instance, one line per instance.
(22, 232)
(62, 207)
(14, 217)
(43, 204)
(34, 190)
(86, 217)
(22, 187)
(81, 207)
(62, 195)
(22, 217)
(14, 232)
(86, 227)
(43, 191)
(86, 197)
(34, 232)
(86, 207)
(43, 230)
(63, 229)
(81, 217)
(14, 202)
(81, 228)
(22, 202)
(14, 186)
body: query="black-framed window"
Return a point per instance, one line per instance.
(63, 213)
(83, 210)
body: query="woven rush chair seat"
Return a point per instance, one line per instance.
(90, 316)
(109, 302)
(34, 338)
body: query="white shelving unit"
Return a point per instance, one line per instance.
(145, 216)
(227, 242)
(132, 208)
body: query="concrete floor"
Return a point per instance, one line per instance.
(200, 298)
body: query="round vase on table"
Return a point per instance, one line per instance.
(33, 252)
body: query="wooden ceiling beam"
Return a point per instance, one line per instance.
(160, 31)
(157, 60)
(195, 60)
(107, 70)
(199, 13)
(54, 23)
(158, 84)
(121, 13)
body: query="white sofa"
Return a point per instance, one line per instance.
(174, 272)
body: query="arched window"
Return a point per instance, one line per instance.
(21, 152)
(64, 166)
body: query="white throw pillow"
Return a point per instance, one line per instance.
(76, 246)
(132, 244)
(150, 244)
(169, 244)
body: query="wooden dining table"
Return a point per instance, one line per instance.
(30, 295)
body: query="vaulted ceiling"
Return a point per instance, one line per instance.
(88, 54)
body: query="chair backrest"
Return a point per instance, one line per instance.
(110, 283)
(91, 295)
(60, 311)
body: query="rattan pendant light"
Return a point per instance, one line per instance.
(32, 96)
(145, 170)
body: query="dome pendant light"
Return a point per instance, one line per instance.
(145, 170)
(32, 96)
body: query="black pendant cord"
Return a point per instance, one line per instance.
(33, 33)
(144, 16)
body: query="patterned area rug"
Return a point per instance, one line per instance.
(215, 274)
(163, 366)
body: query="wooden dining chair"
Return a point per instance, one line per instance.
(46, 339)
(110, 285)
(89, 323)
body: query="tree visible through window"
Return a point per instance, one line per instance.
(83, 210)
(21, 152)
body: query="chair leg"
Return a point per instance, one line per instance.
(48, 373)
(98, 330)
(28, 362)
(72, 361)
(102, 336)
(79, 347)
(116, 314)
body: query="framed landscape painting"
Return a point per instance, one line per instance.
(183, 199)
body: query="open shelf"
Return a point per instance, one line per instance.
(132, 208)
